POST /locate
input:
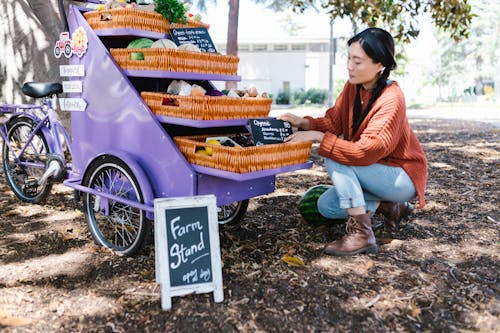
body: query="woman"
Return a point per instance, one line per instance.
(372, 155)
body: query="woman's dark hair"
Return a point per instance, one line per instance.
(378, 44)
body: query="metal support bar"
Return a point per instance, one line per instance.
(73, 184)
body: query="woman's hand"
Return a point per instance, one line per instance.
(315, 136)
(296, 121)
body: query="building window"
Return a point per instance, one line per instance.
(318, 47)
(243, 47)
(298, 47)
(280, 47)
(260, 47)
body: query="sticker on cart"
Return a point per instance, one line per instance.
(78, 44)
(72, 104)
(71, 70)
(72, 86)
(187, 250)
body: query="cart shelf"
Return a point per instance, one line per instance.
(180, 75)
(201, 123)
(127, 32)
(249, 175)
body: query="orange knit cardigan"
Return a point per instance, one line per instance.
(384, 136)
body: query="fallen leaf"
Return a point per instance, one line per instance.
(13, 321)
(367, 265)
(415, 310)
(68, 237)
(9, 213)
(293, 261)
(91, 249)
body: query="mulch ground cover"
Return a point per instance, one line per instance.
(437, 273)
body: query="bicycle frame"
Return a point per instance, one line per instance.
(49, 120)
(14, 109)
(46, 120)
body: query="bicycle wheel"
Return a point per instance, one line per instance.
(112, 224)
(232, 213)
(23, 176)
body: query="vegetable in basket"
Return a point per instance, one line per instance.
(140, 43)
(172, 10)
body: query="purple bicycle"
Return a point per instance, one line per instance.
(32, 151)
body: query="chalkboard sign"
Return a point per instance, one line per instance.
(269, 130)
(187, 247)
(196, 36)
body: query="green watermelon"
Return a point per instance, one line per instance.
(140, 43)
(308, 206)
(136, 56)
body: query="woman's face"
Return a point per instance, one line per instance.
(362, 69)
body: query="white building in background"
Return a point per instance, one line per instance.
(277, 66)
(279, 51)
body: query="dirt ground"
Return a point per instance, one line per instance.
(438, 273)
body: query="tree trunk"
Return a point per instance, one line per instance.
(232, 34)
(28, 32)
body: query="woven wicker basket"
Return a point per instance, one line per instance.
(243, 159)
(207, 107)
(177, 61)
(131, 18)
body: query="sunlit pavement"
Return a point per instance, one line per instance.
(489, 113)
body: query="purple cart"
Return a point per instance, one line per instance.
(123, 155)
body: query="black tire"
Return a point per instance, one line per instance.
(22, 179)
(232, 213)
(112, 224)
(67, 50)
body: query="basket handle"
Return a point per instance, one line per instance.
(169, 101)
(207, 152)
(106, 17)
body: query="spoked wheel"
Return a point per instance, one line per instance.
(114, 225)
(232, 213)
(24, 174)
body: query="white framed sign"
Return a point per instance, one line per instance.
(72, 104)
(72, 86)
(187, 250)
(72, 70)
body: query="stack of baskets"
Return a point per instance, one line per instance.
(207, 107)
(159, 59)
(131, 18)
(177, 61)
(243, 159)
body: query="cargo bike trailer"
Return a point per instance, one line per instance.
(120, 156)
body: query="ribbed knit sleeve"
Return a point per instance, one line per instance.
(377, 135)
(333, 121)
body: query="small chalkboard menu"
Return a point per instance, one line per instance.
(269, 130)
(187, 247)
(197, 36)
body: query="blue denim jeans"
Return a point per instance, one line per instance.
(357, 186)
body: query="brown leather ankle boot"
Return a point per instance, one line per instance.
(394, 212)
(358, 239)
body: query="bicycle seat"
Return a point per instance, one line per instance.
(41, 89)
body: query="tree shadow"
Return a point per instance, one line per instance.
(28, 48)
(437, 274)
